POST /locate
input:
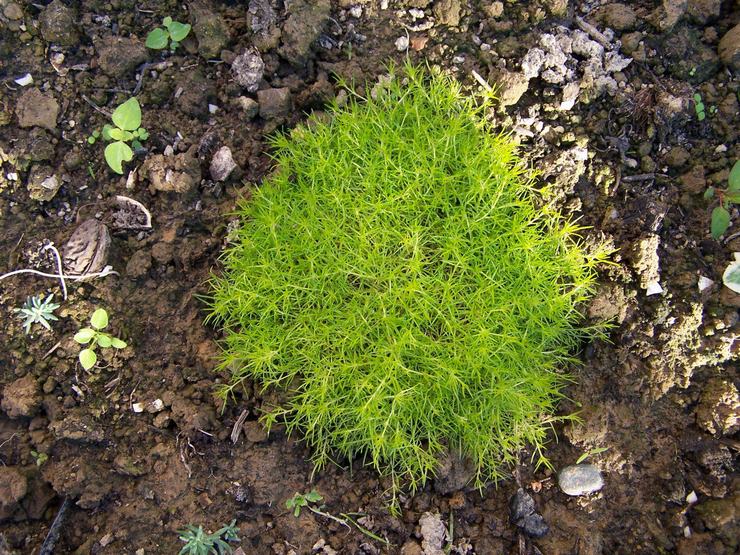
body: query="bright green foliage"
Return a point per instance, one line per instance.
(727, 197)
(125, 129)
(699, 107)
(37, 311)
(300, 500)
(94, 337)
(173, 32)
(197, 542)
(396, 277)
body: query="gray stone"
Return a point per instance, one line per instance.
(210, 30)
(36, 109)
(729, 48)
(247, 69)
(306, 20)
(222, 164)
(249, 106)
(43, 183)
(523, 515)
(580, 479)
(453, 474)
(119, 56)
(274, 103)
(58, 24)
(21, 398)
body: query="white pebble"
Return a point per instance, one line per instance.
(24, 81)
(653, 288)
(704, 283)
(138, 407)
(212, 108)
(355, 11)
(402, 43)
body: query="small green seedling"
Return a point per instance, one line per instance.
(699, 107)
(197, 542)
(40, 458)
(125, 129)
(591, 452)
(726, 197)
(173, 33)
(94, 337)
(36, 311)
(731, 275)
(300, 500)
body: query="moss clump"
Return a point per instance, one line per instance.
(396, 277)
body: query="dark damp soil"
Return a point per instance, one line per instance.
(141, 445)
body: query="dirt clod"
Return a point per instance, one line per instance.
(21, 398)
(35, 108)
(58, 24)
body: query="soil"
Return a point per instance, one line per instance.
(142, 446)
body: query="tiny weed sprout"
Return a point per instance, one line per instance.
(93, 336)
(399, 277)
(198, 542)
(731, 275)
(725, 197)
(40, 458)
(173, 33)
(125, 129)
(300, 500)
(699, 107)
(37, 311)
(590, 453)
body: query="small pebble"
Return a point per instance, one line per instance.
(24, 81)
(580, 479)
(355, 11)
(402, 43)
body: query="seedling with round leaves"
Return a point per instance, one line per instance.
(126, 129)
(726, 198)
(300, 500)
(94, 336)
(173, 33)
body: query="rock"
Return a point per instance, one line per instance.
(274, 103)
(36, 109)
(693, 181)
(447, 12)
(729, 298)
(43, 184)
(22, 398)
(677, 157)
(120, 56)
(262, 20)
(453, 473)
(78, 426)
(222, 164)
(433, 534)
(179, 173)
(665, 16)
(210, 30)
(139, 264)
(13, 11)
(720, 516)
(690, 59)
(411, 548)
(306, 20)
(13, 488)
(645, 259)
(619, 17)
(125, 466)
(190, 417)
(249, 106)
(58, 24)
(194, 92)
(702, 11)
(523, 515)
(719, 408)
(255, 432)
(580, 479)
(86, 251)
(729, 48)
(510, 86)
(247, 69)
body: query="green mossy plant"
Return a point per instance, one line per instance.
(401, 279)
